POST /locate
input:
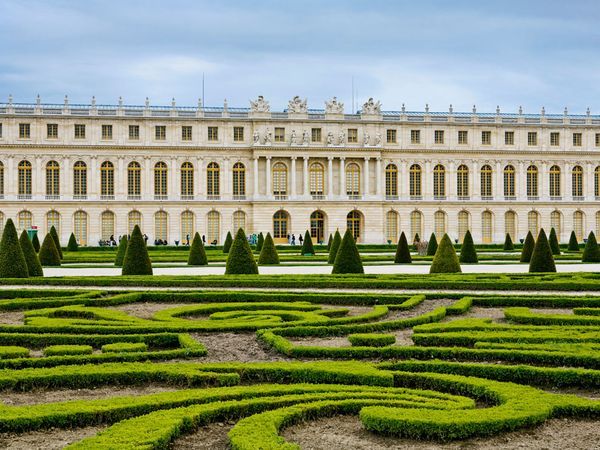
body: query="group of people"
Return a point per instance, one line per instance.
(252, 240)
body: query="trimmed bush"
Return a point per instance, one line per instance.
(348, 259)
(61, 350)
(445, 259)
(329, 241)
(335, 245)
(542, 259)
(432, 246)
(241, 259)
(527, 250)
(591, 252)
(124, 347)
(136, 261)
(402, 251)
(121, 251)
(72, 245)
(49, 255)
(573, 244)
(260, 242)
(31, 258)
(197, 255)
(553, 239)
(36, 243)
(268, 254)
(468, 254)
(12, 259)
(228, 242)
(508, 243)
(307, 245)
(371, 340)
(54, 235)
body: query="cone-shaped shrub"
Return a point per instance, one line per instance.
(553, 240)
(508, 243)
(307, 245)
(228, 242)
(72, 245)
(402, 251)
(542, 259)
(335, 245)
(260, 241)
(121, 251)
(36, 243)
(416, 240)
(528, 246)
(31, 258)
(268, 254)
(54, 235)
(136, 261)
(573, 244)
(329, 241)
(197, 255)
(240, 259)
(347, 259)
(468, 254)
(445, 259)
(49, 255)
(12, 260)
(591, 252)
(432, 245)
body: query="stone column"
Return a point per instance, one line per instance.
(11, 185)
(329, 177)
(342, 177)
(268, 190)
(293, 179)
(366, 178)
(378, 178)
(306, 183)
(255, 177)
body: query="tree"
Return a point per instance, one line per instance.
(402, 251)
(432, 246)
(307, 245)
(554, 242)
(197, 255)
(240, 259)
(591, 252)
(260, 242)
(542, 259)
(121, 251)
(468, 254)
(49, 255)
(445, 259)
(329, 241)
(136, 261)
(31, 258)
(347, 259)
(12, 259)
(508, 243)
(335, 245)
(268, 254)
(528, 246)
(228, 242)
(573, 244)
(72, 245)
(54, 235)
(36, 243)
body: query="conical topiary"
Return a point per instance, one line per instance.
(121, 251)
(240, 259)
(49, 255)
(347, 259)
(31, 258)
(432, 245)
(402, 251)
(260, 241)
(553, 240)
(335, 245)
(136, 261)
(72, 245)
(468, 254)
(329, 241)
(12, 259)
(197, 255)
(307, 245)
(542, 259)
(445, 259)
(416, 240)
(528, 246)
(228, 242)
(591, 252)
(268, 254)
(573, 244)
(36, 243)
(54, 235)
(508, 243)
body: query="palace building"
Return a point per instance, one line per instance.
(98, 170)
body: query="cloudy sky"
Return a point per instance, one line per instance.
(510, 53)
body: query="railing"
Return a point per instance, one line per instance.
(487, 197)
(161, 197)
(416, 197)
(24, 197)
(280, 196)
(239, 197)
(134, 197)
(213, 197)
(391, 197)
(533, 197)
(354, 197)
(52, 197)
(439, 197)
(80, 197)
(464, 197)
(510, 198)
(187, 197)
(318, 196)
(578, 198)
(555, 197)
(107, 197)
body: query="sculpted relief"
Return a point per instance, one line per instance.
(371, 107)
(334, 107)
(260, 105)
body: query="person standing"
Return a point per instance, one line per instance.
(293, 239)
(300, 239)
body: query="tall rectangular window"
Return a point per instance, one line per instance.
(238, 134)
(532, 138)
(555, 139)
(352, 135)
(160, 132)
(213, 134)
(415, 136)
(509, 138)
(577, 139)
(391, 136)
(597, 136)
(463, 137)
(79, 131)
(134, 132)
(279, 134)
(438, 136)
(107, 132)
(315, 135)
(486, 138)
(52, 131)
(24, 131)
(186, 133)
(0, 130)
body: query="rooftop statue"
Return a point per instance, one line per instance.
(260, 105)
(297, 105)
(371, 107)
(334, 107)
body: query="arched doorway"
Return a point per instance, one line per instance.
(281, 222)
(317, 226)
(354, 224)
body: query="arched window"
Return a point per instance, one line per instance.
(239, 181)
(134, 218)
(160, 181)
(317, 226)
(555, 222)
(53, 220)
(24, 220)
(354, 224)
(597, 182)
(533, 223)
(555, 181)
(577, 181)
(486, 182)
(187, 181)
(391, 182)
(24, 182)
(510, 224)
(134, 181)
(487, 231)
(578, 225)
(439, 224)
(415, 182)
(213, 227)
(439, 182)
(1, 223)
(80, 227)
(462, 181)
(280, 225)
(509, 181)
(391, 226)
(213, 174)
(80, 181)
(280, 180)
(187, 225)
(463, 224)
(107, 180)
(532, 182)
(352, 180)
(160, 226)
(52, 180)
(317, 180)
(107, 225)
(597, 223)
(239, 220)
(1, 181)
(416, 225)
